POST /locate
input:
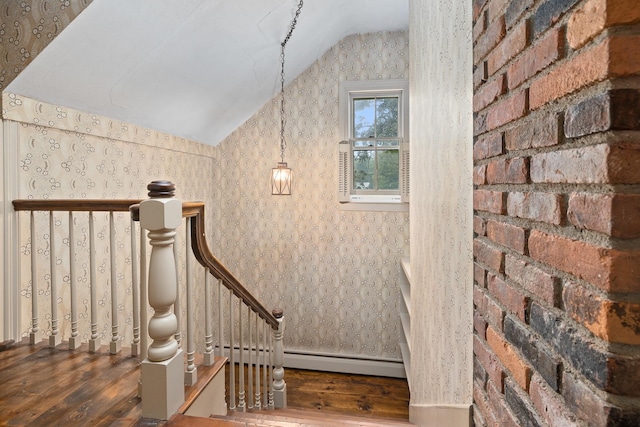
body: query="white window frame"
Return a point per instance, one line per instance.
(349, 90)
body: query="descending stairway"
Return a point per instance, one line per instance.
(285, 418)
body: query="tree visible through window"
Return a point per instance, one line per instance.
(376, 144)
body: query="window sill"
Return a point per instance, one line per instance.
(375, 207)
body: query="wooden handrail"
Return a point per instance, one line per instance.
(79, 205)
(199, 244)
(204, 256)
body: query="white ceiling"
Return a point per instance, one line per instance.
(193, 68)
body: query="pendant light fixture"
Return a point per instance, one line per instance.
(282, 175)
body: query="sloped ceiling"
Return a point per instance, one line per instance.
(193, 68)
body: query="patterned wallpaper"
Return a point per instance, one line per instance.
(335, 273)
(27, 27)
(64, 153)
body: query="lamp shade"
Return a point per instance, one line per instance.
(281, 178)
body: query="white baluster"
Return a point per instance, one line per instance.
(135, 292)
(34, 283)
(258, 401)
(114, 344)
(144, 297)
(94, 341)
(220, 319)
(143, 300)
(232, 361)
(208, 358)
(265, 366)
(270, 367)
(250, 364)
(279, 385)
(54, 338)
(177, 307)
(74, 340)
(162, 371)
(241, 402)
(191, 372)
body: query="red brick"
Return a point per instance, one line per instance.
(612, 321)
(596, 15)
(488, 308)
(479, 175)
(511, 298)
(617, 109)
(540, 131)
(549, 404)
(612, 214)
(508, 171)
(591, 408)
(489, 362)
(479, 325)
(519, 370)
(488, 255)
(543, 207)
(478, 28)
(477, 8)
(489, 201)
(479, 275)
(509, 47)
(507, 110)
(500, 408)
(495, 9)
(507, 235)
(479, 226)
(617, 56)
(543, 285)
(488, 146)
(544, 53)
(479, 74)
(515, 10)
(603, 163)
(492, 36)
(482, 406)
(612, 270)
(489, 93)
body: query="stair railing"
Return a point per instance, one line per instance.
(249, 334)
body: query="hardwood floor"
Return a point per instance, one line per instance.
(40, 386)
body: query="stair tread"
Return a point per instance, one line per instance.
(291, 417)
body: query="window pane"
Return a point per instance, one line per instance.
(364, 169)
(363, 118)
(389, 143)
(387, 117)
(388, 169)
(361, 144)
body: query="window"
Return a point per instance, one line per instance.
(374, 153)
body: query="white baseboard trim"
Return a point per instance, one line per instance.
(393, 368)
(345, 364)
(440, 415)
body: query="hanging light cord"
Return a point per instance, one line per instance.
(283, 144)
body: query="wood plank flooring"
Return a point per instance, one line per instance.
(40, 386)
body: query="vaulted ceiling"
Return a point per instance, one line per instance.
(193, 68)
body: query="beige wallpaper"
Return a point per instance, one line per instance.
(335, 273)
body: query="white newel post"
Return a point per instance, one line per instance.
(279, 386)
(162, 370)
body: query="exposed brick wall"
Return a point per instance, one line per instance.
(556, 212)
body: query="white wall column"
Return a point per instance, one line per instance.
(441, 212)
